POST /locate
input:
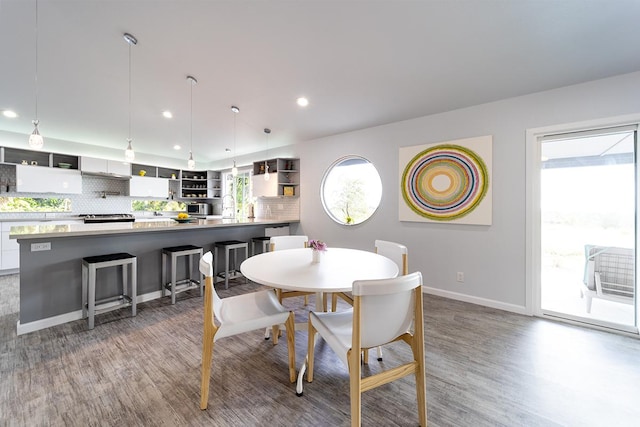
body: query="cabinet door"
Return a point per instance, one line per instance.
(92, 164)
(262, 188)
(95, 165)
(35, 179)
(118, 167)
(10, 254)
(148, 187)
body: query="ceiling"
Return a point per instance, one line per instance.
(360, 64)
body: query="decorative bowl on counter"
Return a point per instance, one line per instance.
(182, 220)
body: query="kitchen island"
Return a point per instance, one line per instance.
(51, 259)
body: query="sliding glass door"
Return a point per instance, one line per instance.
(588, 215)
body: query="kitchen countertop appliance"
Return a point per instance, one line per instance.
(199, 209)
(101, 218)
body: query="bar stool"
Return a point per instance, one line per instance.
(229, 245)
(128, 297)
(177, 286)
(260, 239)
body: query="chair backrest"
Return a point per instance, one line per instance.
(396, 252)
(212, 301)
(386, 308)
(278, 243)
(615, 267)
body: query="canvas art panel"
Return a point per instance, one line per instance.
(447, 182)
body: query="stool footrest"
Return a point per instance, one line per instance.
(183, 285)
(113, 303)
(233, 274)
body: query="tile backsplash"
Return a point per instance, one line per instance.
(104, 195)
(99, 195)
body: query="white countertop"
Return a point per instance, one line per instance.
(46, 231)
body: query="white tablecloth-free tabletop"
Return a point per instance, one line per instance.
(293, 270)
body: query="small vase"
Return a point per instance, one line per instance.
(316, 256)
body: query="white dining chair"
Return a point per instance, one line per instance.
(394, 251)
(238, 314)
(280, 243)
(383, 312)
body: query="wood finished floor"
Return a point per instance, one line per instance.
(485, 367)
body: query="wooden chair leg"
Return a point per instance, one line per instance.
(310, 350)
(354, 387)
(306, 300)
(276, 333)
(334, 301)
(291, 344)
(207, 353)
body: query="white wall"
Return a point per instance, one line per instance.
(491, 257)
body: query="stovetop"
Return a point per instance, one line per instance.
(100, 218)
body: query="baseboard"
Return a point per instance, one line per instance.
(70, 317)
(48, 322)
(519, 309)
(150, 296)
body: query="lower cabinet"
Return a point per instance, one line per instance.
(10, 249)
(10, 253)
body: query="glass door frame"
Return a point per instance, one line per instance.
(533, 260)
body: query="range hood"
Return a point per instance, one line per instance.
(106, 175)
(111, 169)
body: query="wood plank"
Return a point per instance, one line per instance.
(484, 367)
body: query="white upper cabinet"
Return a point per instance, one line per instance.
(262, 188)
(142, 186)
(103, 166)
(36, 179)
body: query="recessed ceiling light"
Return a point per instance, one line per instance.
(167, 114)
(176, 147)
(10, 114)
(302, 101)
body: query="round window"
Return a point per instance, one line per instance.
(351, 190)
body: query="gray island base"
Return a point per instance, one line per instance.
(51, 279)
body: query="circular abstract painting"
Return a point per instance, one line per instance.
(445, 182)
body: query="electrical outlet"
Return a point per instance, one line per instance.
(44, 246)
(460, 277)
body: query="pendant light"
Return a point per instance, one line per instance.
(35, 139)
(234, 169)
(267, 131)
(191, 164)
(129, 154)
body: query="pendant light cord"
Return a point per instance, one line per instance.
(129, 43)
(234, 137)
(36, 60)
(191, 120)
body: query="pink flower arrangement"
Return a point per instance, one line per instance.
(317, 245)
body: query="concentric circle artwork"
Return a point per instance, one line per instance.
(445, 182)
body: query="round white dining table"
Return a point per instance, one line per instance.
(293, 269)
